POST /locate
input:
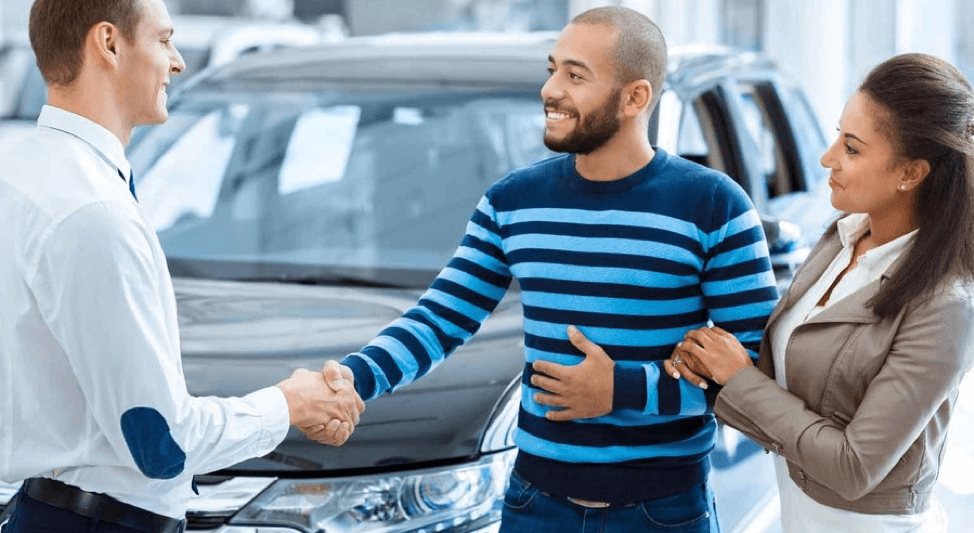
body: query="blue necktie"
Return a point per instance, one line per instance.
(131, 183)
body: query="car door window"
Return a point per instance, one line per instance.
(764, 122)
(681, 131)
(692, 142)
(707, 135)
(807, 132)
(669, 111)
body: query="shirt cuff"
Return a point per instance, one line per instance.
(274, 415)
(628, 388)
(365, 384)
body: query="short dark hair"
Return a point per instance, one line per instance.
(640, 52)
(58, 29)
(926, 109)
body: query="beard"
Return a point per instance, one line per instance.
(592, 131)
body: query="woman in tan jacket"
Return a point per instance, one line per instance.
(861, 361)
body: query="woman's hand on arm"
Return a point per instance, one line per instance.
(710, 352)
(682, 364)
(933, 347)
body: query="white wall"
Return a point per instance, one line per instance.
(811, 40)
(871, 43)
(682, 22)
(926, 27)
(964, 33)
(13, 17)
(689, 21)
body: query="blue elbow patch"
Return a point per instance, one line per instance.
(151, 444)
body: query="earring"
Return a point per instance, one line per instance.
(902, 186)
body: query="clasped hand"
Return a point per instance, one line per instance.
(710, 353)
(586, 390)
(323, 405)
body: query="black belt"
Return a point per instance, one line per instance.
(105, 508)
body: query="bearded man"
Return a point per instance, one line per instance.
(616, 239)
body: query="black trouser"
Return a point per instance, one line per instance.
(31, 515)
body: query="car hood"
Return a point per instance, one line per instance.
(238, 337)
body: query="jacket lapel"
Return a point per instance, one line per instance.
(814, 266)
(852, 308)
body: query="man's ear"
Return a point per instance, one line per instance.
(101, 44)
(636, 97)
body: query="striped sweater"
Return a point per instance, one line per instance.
(634, 263)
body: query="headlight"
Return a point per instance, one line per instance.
(420, 501)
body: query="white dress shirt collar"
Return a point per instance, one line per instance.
(103, 141)
(876, 261)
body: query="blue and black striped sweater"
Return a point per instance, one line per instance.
(634, 263)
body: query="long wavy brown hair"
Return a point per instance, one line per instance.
(929, 115)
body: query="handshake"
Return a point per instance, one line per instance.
(323, 405)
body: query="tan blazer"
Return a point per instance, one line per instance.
(864, 420)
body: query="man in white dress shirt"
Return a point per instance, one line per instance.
(94, 411)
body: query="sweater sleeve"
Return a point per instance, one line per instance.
(737, 281)
(739, 294)
(461, 297)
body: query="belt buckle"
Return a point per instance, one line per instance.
(590, 504)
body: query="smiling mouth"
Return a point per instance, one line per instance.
(557, 115)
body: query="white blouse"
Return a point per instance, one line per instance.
(799, 512)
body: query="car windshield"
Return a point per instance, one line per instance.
(326, 187)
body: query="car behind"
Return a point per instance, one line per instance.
(306, 198)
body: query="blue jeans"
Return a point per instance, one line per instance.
(529, 510)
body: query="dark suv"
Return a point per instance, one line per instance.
(306, 198)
